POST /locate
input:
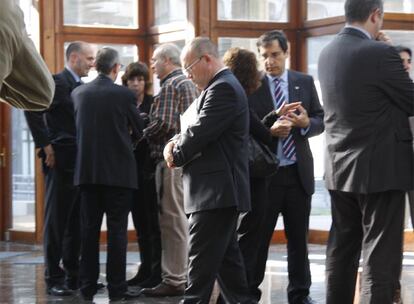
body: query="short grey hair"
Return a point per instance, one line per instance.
(75, 47)
(169, 51)
(359, 10)
(106, 58)
(200, 46)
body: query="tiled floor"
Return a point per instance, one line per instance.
(21, 277)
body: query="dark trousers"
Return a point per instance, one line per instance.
(61, 234)
(214, 254)
(372, 223)
(144, 212)
(254, 239)
(114, 202)
(287, 196)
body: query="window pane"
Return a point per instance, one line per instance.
(399, 6)
(320, 212)
(127, 52)
(320, 9)
(405, 38)
(23, 173)
(224, 43)
(253, 10)
(98, 13)
(167, 11)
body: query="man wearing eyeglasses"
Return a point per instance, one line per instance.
(176, 94)
(212, 153)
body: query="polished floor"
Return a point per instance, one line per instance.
(21, 277)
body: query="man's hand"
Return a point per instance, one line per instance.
(286, 108)
(381, 36)
(300, 120)
(168, 155)
(50, 156)
(281, 128)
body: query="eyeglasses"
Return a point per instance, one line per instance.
(188, 70)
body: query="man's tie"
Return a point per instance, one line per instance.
(288, 145)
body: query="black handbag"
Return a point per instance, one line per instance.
(262, 161)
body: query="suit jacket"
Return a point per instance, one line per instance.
(367, 99)
(213, 151)
(56, 125)
(301, 88)
(106, 115)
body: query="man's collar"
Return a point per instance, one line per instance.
(173, 73)
(359, 29)
(283, 77)
(74, 75)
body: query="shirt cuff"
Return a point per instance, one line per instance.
(305, 131)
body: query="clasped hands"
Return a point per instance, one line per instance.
(290, 115)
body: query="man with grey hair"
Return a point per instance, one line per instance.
(25, 81)
(107, 123)
(368, 97)
(212, 153)
(176, 94)
(54, 134)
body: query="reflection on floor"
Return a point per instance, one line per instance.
(21, 276)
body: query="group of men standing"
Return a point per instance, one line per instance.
(88, 133)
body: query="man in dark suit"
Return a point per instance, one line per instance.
(369, 161)
(215, 175)
(291, 188)
(106, 118)
(54, 133)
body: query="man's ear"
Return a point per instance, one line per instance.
(375, 15)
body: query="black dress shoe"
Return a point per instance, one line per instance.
(59, 291)
(151, 282)
(308, 300)
(72, 284)
(100, 285)
(125, 296)
(164, 290)
(86, 298)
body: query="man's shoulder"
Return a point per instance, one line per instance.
(299, 75)
(177, 81)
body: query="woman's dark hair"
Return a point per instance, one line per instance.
(243, 64)
(136, 69)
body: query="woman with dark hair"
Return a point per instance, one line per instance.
(144, 207)
(243, 64)
(253, 240)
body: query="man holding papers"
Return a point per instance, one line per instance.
(212, 152)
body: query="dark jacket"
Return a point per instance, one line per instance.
(301, 88)
(367, 99)
(213, 151)
(106, 118)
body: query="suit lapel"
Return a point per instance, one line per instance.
(267, 95)
(294, 88)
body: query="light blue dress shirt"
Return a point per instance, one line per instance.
(284, 85)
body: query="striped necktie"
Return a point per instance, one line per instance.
(288, 145)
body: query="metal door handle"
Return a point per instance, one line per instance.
(3, 158)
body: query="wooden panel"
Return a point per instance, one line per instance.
(5, 170)
(27, 237)
(321, 237)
